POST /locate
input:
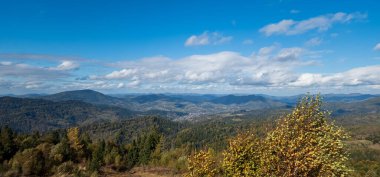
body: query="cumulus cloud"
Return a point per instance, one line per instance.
(377, 47)
(319, 23)
(355, 77)
(207, 38)
(269, 67)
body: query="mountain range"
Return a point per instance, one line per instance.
(43, 112)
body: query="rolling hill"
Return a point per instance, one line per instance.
(88, 96)
(27, 115)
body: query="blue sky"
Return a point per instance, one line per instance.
(277, 47)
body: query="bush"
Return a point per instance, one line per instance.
(242, 157)
(202, 164)
(304, 143)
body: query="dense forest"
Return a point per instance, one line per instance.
(272, 143)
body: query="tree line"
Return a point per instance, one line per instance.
(72, 153)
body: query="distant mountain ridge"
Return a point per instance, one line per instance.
(182, 104)
(232, 99)
(88, 96)
(84, 107)
(155, 97)
(94, 97)
(26, 115)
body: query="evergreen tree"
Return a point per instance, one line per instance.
(7, 144)
(97, 157)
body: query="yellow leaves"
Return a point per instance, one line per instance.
(73, 136)
(202, 164)
(307, 143)
(242, 158)
(303, 143)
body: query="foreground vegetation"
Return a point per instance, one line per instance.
(303, 143)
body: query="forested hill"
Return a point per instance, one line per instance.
(124, 130)
(83, 107)
(27, 115)
(88, 96)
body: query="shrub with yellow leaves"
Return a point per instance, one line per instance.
(305, 143)
(202, 164)
(242, 157)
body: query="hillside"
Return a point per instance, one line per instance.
(232, 99)
(171, 105)
(27, 115)
(142, 139)
(86, 106)
(88, 96)
(124, 129)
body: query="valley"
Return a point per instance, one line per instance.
(184, 122)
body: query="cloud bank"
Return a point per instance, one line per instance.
(270, 68)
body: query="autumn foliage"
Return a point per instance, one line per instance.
(242, 158)
(303, 143)
(202, 164)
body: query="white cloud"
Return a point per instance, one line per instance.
(202, 39)
(98, 85)
(316, 41)
(282, 27)
(26, 71)
(6, 63)
(377, 47)
(270, 67)
(134, 83)
(33, 85)
(122, 74)
(319, 23)
(15, 77)
(287, 54)
(207, 38)
(66, 65)
(355, 77)
(267, 50)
